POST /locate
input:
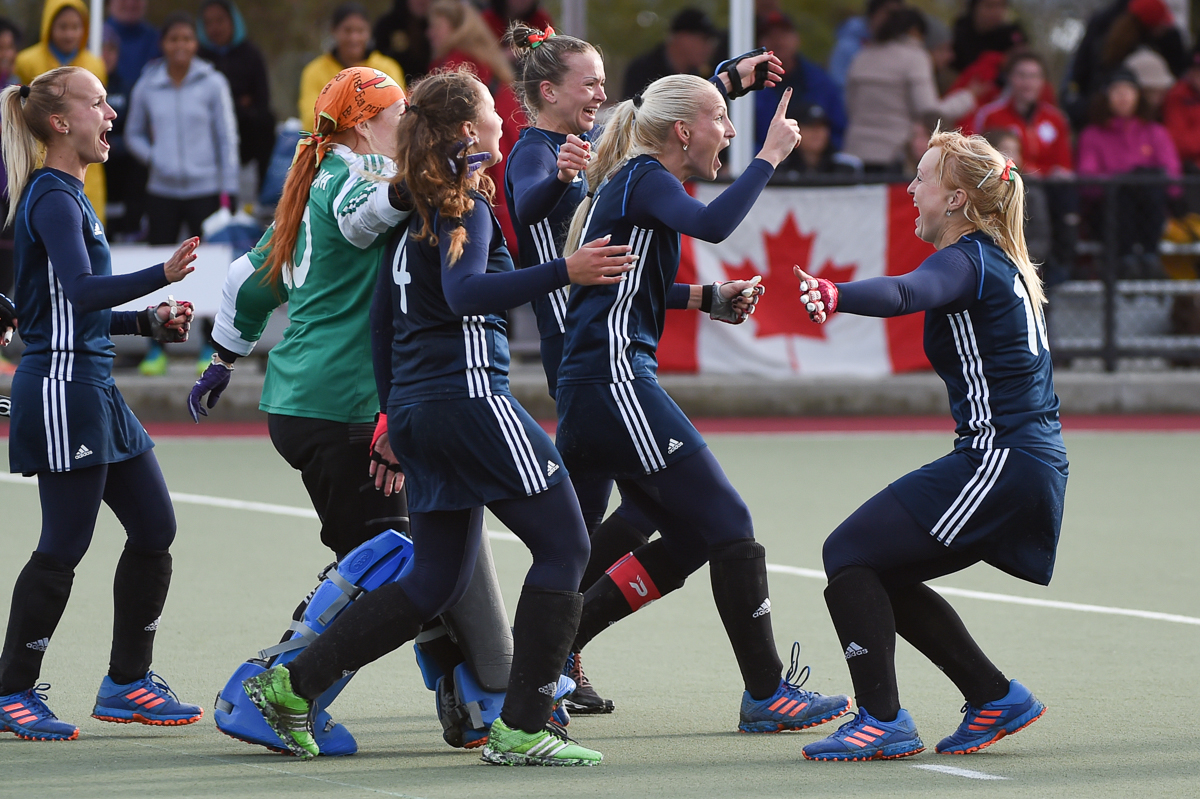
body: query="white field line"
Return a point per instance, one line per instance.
(795, 571)
(959, 772)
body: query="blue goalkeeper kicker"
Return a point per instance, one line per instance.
(383, 559)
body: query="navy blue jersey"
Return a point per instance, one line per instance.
(445, 326)
(541, 210)
(994, 357)
(613, 330)
(62, 341)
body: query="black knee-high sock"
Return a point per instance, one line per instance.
(647, 574)
(139, 593)
(739, 585)
(929, 623)
(611, 541)
(862, 616)
(39, 598)
(544, 628)
(378, 623)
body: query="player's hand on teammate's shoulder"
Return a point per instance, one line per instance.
(596, 263)
(179, 265)
(573, 157)
(783, 135)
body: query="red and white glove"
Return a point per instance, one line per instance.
(818, 295)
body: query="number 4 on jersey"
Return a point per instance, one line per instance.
(401, 276)
(1035, 322)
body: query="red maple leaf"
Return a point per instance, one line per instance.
(779, 312)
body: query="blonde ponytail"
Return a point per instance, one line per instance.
(995, 198)
(636, 127)
(25, 123)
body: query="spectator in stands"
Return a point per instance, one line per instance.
(816, 156)
(1153, 76)
(891, 98)
(351, 29)
(1040, 127)
(1181, 114)
(400, 35)
(10, 40)
(126, 176)
(139, 39)
(856, 32)
(499, 14)
(1123, 140)
(688, 50)
(182, 126)
(1038, 238)
(809, 83)
(459, 35)
(984, 27)
(939, 41)
(1112, 35)
(64, 43)
(223, 43)
(1045, 145)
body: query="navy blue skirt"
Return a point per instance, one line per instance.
(622, 430)
(465, 453)
(58, 426)
(1008, 503)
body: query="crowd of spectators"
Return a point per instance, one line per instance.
(1130, 101)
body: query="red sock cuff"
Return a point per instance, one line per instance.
(633, 581)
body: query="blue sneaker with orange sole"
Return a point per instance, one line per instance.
(146, 701)
(867, 738)
(790, 707)
(26, 715)
(983, 726)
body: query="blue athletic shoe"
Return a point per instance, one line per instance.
(983, 726)
(147, 701)
(25, 715)
(790, 708)
(866, 738)
(237, 717)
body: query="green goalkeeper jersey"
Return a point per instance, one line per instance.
(322, 367)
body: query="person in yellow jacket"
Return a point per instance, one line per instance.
(63, 43)
(351, 42)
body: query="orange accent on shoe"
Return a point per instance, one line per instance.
(7, 708)
(154, 704)
(791, 704)
(993, 713)
(781, 700)
(133, 695)
(871, 729)
(858, 743)
(798, 709)
(23, 716)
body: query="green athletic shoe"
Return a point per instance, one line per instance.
(289, 715)
(155, 362)
(549, 746)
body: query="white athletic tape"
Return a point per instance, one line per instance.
(958, 772)
(796, 571)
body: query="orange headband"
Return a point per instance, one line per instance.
(354, 95)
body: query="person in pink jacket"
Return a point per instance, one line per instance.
(1122, 140)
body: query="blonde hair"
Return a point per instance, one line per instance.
(634, 130)
(473, 36)
(994, 205)
(25, 127)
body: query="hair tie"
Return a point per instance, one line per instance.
(318, 138)
(24, 90)
(412, 108)
(536, 39)
(1009, 169)
(637, 100)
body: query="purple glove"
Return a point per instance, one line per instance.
(213, 382)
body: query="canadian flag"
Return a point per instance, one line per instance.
(840, 233)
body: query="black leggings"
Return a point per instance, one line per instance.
(692, 504)
(134, 489)
(445, 544)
